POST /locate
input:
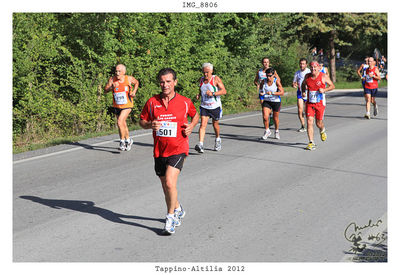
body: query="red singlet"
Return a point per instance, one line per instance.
(371, 83)
(169, 139)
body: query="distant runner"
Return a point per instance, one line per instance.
(272, 91)
(371, 78)
(210, 90)
(260, 76)
(167, 113)
(324, 69)
(315, 88)
(297, 81)
(123, 95)
(361, 71)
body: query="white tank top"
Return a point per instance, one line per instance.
(273, 88)
(209, 102)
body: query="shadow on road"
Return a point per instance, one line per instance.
(89, 207)
(112, 150)
(271, 141)
(380, 94)
(241, 125)
(372, 254)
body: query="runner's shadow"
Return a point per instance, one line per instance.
(271, 141)
(90, 208)
(142, 144)
(240, 125)
(112, 150)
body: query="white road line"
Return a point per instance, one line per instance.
(146, 134)
(71, 150)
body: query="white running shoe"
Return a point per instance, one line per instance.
(199, 148)
(375, 109)
(302, 129)
(277, 135)
(179, 216)
(128, 144)
(218, 145)
(367, 116)
(169, 227)
(267, 133)
(122, 145)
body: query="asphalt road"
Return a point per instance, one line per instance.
(254, 201)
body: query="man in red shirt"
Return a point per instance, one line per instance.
(167, 113)
(371, 78)
(314, 85)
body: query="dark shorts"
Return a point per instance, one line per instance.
(215, 114)
(274, 106)
(117, 111)
(300, 95)
(161, 163)
(371, 92)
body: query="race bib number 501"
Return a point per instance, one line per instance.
(167, 129)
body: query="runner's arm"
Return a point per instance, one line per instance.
(256, 80)
(155, 124)
(109, 85)
(189, 126)
(220, 85)
(359, 71)
(199, 94)
(135, 83)
(331, 86)
(262, 89)
(378, 74)
(294, 84)
(280, 88)
(277, 76)
(304, 86)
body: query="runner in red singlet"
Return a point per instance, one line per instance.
(314, 88)
(371, 78)
(167, 114)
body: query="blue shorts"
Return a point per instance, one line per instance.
(371, 92)
(300, 95)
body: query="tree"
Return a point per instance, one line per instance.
(337, 29)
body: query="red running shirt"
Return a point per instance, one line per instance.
(313, 86)
(371, 83)
(169, 139)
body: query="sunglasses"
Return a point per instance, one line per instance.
(269, 75)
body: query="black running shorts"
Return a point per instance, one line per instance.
(117, 111)
(161, 163)
(274, 106)
(215, 114)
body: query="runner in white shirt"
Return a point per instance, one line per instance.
(210, 90)
(272, 91)
(362, 69)
(297, 81)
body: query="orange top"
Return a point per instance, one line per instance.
(121, 97)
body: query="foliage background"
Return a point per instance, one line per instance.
(61, 61)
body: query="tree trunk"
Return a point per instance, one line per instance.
(332, 56)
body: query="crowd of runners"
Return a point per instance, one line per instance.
(167, 114)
